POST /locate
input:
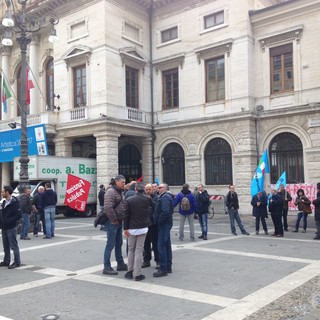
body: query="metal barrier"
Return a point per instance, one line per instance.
(218, 204)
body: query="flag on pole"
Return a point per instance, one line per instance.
(282, 180)
(5, 94)
(140, 179)
(29, 85)
(157, 181)
(257, 183)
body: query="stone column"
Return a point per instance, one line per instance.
(147, 160)
(193, 170)
(63, 147)
(107, 156)
(34, 75)
(5, 168)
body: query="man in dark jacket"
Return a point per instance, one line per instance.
(101, 193)
(316, 204)
(286, 199)
(136, 223)
(152, 235)
(232, 204)
(187, 195)
(9, 217)
(163, 219)
(114, 207)
(26, 209)
(49, 202)
(203, 202)
(38, 211)
(275, 208)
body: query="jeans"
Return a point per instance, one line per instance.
(114, 240)
(203, 220)
(25, 225)
(318, 228)
(135, 254)
(234, 216)
(183, 218)
(36, 221)
(305, 217)
(9, 241)
(164, 246)
(49, 214)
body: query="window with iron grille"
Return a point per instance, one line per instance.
(50, 84)
(173, 165)
(281, 64)
(132, 87)
(130, 162)
(213, 20)
(170, 88)
(80, 86)
(218, 162)
(215, 80)
(169, 34)
(286, 154)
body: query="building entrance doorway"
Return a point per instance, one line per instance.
(130, 162)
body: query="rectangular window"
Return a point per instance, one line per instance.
(132, 88)
(215, 79)
(214, 19)
(169, 34)
(80, 86)
(170, 87)
(281, 64)
(131, 32)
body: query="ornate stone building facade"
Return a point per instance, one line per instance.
(183, 90)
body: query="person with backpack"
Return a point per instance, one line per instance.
(187, 208)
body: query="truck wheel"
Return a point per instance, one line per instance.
(88, 212)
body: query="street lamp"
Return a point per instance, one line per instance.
(23, 25)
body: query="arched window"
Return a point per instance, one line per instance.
(173, 165)
(50, 84)
(286, 154)
(218, 162)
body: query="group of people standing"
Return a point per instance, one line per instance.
(278, 204)
(14, 209)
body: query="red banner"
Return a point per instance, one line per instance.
(77, 193)
(310, 191)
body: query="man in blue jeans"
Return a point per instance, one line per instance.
(163, 219)
(10, 215)
(114, 207)
(49, 203)
(26, 208)
(232, 203)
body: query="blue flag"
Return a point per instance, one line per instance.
(282, 180)
(157, 181)
(257, 183)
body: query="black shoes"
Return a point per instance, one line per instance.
(122, 267)
(109, 271)
(128, 275)
(139, 278)
(234, 233)
(205, 238)
(316, 238)
(14, 265)
(246, 233)
(160, 273)
(296, 230)
(4, 264)
(201, 237)
(145, 264)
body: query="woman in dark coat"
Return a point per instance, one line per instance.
(301, 200)
(259, 211)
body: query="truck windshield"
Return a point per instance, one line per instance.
(16, 190)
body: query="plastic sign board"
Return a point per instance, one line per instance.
(10, 142)
(77, 193)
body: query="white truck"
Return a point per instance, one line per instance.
(52, 169)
